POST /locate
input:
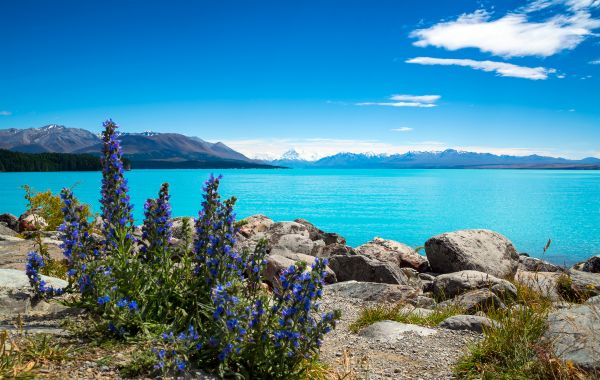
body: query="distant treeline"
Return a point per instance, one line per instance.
(47, 162)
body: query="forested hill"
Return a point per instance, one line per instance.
(47, 162)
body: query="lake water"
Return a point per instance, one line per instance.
(528, 206)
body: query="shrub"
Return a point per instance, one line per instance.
(48, 206)
(397, 313)
(204, 305)
(514, 347)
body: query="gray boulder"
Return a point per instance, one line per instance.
(336, 249)
(481, 250)
(452, 284)
(372, 291)
(593, 301)
(476, 300)
(31, 222)
(362, 268)
(287, 228)
(179, 232)
(17, 296)
(10, 221)
(586, 284)
(575, 335)
(394, 252)
(296, 243)
(318, 234)
(542, 282)
(591, 265)
(531, 264)
(390, 330)
(255, 224)
(276, 264)
(5, 231)
(308, 260)
(473, 323)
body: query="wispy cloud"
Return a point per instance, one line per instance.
(416, 98)
(594, 62)
(514, 34)
(500, 68)
(5, 113)
(419, 101)
(402, 129)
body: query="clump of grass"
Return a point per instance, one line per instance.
(514, 348)
(402, 313)
(565, 288)
(19, 358)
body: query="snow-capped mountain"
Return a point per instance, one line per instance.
(449, 158)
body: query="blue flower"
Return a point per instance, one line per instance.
(103, 300)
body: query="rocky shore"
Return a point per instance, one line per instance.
(472, 270)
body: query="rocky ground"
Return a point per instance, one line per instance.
(474, 270)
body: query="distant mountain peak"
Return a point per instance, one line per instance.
(291, 155)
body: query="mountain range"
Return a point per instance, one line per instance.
(144, 150)
(173, 150)
(449, 158)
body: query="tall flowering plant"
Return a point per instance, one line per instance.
(205, 306)
(116, 207)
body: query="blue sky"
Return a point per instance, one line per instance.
(320, 76)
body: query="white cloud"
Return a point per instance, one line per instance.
(594, 62)
(397, 104)
(501, 68)
(416, 98)
(315, 148)
(402, 129)
(5, 113)
(419, 101)
(514, 34)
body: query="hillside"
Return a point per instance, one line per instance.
(144, 150)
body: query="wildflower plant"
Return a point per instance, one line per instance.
(203, 306)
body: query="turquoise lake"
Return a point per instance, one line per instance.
(528, 206)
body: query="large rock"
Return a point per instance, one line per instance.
(481, 250)
(336, 249)
(179, 232)
(296, 243)
(5, 231)
(390, 330)
(394, 252)
(31, 222)
(276, 264)
(255, 224)
(372, 291)
(531, 264)
(287, 228)
(17, 297)
(452, 284)
(542, 282)
(318, 234)
(473, 323)
(586, 284)
(308, 260)
(590, 265)
(362, 268)
(10, 221)
(476, 300)
(575, 335)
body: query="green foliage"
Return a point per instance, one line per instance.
(513, 348)
(47, 162)
(49, 206)
(402, 313)
(21, 356)
(570, 293)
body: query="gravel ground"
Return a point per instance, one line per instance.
(412, 357)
